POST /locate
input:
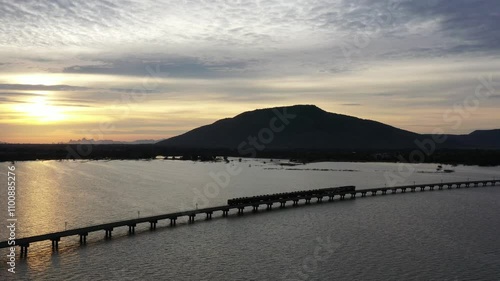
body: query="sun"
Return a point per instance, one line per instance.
(39, 109)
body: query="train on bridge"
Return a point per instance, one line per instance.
(294, 194)
(236, 203)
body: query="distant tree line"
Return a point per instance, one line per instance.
(28, 152)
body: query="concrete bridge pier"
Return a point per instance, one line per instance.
(191, 218)
(269, 206)
(152, 225)
(353, 195)
(55, 244)
(209, 215)
(422, 188)
(363, 193)
(431, 187)
(394, 190)
(240, 210)
(108, 233)
(282, 204)
(225, 212)
(476, 184)
(459, 185)
(295, 202)
(320, 200)
(342, 196)
(24, 250)
(374, 192)
(83, 238)
(330, 198)
(308, 200)
(412, 189)
(255, 208)
(173, 221)
(403, 190)
(384, 192)
(467, 185)
(449, 186)
(131, 229)
(440, 187)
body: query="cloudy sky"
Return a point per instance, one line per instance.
(127, 70)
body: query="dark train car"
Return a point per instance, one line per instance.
(289, 195)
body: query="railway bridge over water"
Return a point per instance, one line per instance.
(83, 232)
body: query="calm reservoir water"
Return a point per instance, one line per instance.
(438, 235)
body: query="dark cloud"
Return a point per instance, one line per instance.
(237, 29)
(4, 99)
(477, 21)
(10, 100)
(26, 87)
(442, 27)
(424, 52)
(174, 67)
(15, 97)
(23, 97)
(70, 104)
(10, 94)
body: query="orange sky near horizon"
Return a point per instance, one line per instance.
(63, 113)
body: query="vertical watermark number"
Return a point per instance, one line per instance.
(11, 218)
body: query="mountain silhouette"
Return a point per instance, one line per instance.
(481, 139)
(303, 132)
(294, 127)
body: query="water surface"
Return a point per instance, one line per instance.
(439, 235)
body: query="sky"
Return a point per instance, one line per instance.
(138, 69)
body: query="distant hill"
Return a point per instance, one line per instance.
(482, 139)
(314, 129)
(311, 128)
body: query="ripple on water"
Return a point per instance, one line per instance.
(439, 235)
